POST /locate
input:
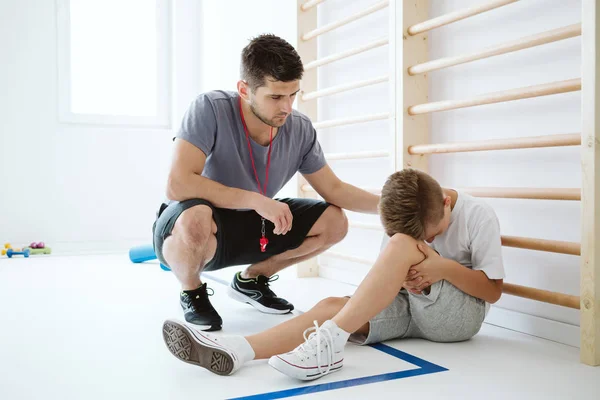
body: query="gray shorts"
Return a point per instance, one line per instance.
(446, 314)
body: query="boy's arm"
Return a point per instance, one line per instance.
(435, 268)
(474, 283)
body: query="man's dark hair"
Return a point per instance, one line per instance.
(270, 56)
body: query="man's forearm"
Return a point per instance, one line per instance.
(198, 187)
(352, 198)
(474, 283)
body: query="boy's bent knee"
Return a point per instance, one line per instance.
(332, 305)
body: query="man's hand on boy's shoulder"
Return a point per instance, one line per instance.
(427, 272)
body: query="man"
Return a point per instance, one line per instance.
(233, 153)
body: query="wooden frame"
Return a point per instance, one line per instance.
(307, 21)
(405, 51)
(590, 186)
(409, 132)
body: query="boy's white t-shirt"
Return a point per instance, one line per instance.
(472, 238)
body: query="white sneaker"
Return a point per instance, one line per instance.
(321, 354)
(218, 354)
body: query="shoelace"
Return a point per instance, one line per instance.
(266, 283)
(197, 297)
(308, 348)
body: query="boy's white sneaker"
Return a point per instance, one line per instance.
(322, 353)
(222, 355)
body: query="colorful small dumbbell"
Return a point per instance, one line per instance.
(11, 252)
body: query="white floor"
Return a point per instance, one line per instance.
(90, 328)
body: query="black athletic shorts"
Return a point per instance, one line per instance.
(239, 232)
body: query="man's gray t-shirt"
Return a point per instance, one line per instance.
(213, 124)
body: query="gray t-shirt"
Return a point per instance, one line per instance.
(213, 124)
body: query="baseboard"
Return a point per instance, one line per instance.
(341, 275)
(72, 248)
(536, 326)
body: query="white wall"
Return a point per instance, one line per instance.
(559, 167)
(89, 188)
(360, 137)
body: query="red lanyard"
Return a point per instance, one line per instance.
(263, 240)
(251, 156)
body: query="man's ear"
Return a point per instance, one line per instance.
(243, 89)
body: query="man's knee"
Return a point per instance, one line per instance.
(337, 225)
(332, 305)
(194, 227)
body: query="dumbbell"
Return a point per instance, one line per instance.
(11, 252)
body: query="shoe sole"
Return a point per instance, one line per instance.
(206, 328)
(242, 298)
(196, 349)
(298, 373)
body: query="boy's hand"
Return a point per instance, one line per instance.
(427, 272)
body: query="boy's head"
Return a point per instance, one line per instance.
(413, 203)
(270, 71)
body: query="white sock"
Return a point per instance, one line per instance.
(340, 336)
(241, 347)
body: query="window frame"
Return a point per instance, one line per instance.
(164, 73)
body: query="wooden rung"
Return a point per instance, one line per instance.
(310, 4)
(571, 139)
(345, 54)
(546, 89)
(508, 193)
(348, 121)
(329, 27)
(309, 189)
(343, 88)
(515, 45)
(553, 246)
(544, 296)
(456, 16)
(359, 260)
(526, 193)
(357, 155)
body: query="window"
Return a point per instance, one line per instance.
(114, 62)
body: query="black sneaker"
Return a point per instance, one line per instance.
(256, 292)
(197, 309)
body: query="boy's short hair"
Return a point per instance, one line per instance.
(410, 201)
(269, 56)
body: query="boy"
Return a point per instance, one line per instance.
(448, 297)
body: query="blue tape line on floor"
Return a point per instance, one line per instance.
(424, 368)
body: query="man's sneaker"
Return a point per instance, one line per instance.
(257, 293)
(322, 353)
(199, 348)
(197, 309)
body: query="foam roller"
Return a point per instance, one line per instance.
(139, 254)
